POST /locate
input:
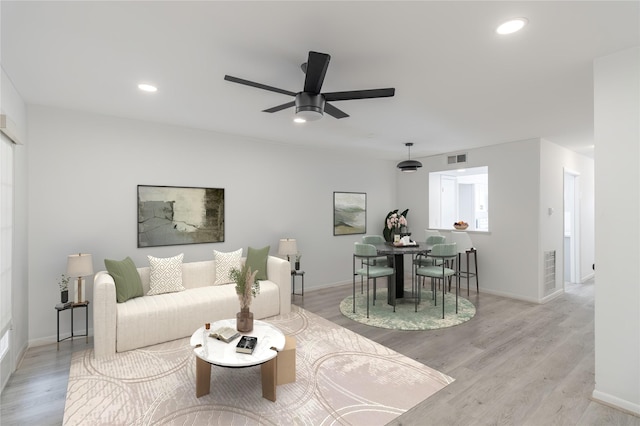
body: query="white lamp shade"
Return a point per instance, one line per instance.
(79, 265)
(287, 247)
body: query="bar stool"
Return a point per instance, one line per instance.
(465, 246)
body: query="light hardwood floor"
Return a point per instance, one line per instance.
(515, 363)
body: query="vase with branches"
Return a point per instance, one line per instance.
(247, 287)
(63, 284)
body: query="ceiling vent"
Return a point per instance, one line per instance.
(459, 158)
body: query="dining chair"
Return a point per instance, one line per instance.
(364, 253)
(430, 232)
(446, 255)
(376, 261)
(465, 246)
(424, 259)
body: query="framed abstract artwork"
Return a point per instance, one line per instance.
(349, 213)
(172, 215)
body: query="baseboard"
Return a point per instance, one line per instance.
(587, 277)
(615, 402)
(552, 296)
(510, 295)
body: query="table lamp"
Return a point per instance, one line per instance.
(288, 247)
(78, 266)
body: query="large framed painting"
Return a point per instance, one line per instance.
(172, 215)
(349, 213)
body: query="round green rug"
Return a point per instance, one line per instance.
(428, 317)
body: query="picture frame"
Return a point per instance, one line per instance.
(176, 215)
(349, 213)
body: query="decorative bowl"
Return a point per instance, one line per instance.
(461, 227)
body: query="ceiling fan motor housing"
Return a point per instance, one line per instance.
(309, 105)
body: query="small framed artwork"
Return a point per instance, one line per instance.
(172, 215)
(349, 213)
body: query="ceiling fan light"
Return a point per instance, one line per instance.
(308, 113)
(512, 26)
(299, 120)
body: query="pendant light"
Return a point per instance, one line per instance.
(409, 165)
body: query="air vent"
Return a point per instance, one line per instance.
(459, 158)
(549, 272)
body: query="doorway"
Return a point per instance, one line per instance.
(571, 226)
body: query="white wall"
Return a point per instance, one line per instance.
(520, 228)
(617, 188)
(83, 173)
(13, 106)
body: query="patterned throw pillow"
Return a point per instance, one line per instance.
(165, 274)
(224, 263)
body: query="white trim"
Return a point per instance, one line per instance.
(615, 402)
(9, 128)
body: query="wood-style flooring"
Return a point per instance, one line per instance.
(515, 363)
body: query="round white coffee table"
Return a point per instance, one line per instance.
(270, 341)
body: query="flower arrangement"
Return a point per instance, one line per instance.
(247, 287)
(393, 222)
(63, 283)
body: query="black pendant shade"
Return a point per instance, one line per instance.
(409, 165)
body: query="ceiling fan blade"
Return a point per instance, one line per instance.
(317, 65)
(334, 112)
(359, 94)
(280, 107)
(258, 85)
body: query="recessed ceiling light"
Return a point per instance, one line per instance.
(512, 25)
(147, 87)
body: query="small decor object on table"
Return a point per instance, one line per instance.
(297, 264)
(226, 334)
(461, 225)
(247, 287)
(247, 344)
(64, 288)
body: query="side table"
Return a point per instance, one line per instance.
(294, 274)
(73, 307)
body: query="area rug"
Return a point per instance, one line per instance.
(428, 317)
(342, 378)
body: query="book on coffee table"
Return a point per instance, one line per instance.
(226, 334)
(247, 344)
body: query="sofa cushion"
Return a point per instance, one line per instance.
(165, 274)
(257, 261)
(149, 320)
(225, 262)
(126, 277)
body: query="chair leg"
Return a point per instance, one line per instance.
(475, 263)
(374, 291)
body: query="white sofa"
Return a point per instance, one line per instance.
(149, 320)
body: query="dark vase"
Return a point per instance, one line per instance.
(244, 320)
(297, 265)
(64, 296)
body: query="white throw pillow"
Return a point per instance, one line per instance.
(225, 262)
(165, 275)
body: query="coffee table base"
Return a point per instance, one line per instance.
(268, 371)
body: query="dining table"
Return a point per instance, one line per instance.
(398, 252)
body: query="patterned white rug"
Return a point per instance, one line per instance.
(342, 378)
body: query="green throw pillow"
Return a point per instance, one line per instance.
(125, 274)
(257, 261)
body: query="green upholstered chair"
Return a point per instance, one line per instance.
(425, 259)
(363, 256)
(444, 254)
(376, 239)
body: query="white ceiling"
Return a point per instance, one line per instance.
(458, 84)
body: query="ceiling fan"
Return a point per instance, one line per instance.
(310, 103)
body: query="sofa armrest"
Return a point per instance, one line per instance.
(104, 315)
(279, 272)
